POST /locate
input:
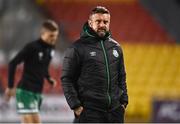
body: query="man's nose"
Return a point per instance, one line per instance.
(101, 24)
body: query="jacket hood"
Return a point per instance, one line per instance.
(89, 32)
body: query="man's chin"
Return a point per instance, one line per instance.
(101, 34)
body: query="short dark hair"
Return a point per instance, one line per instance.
(100, 9)
(50, 25)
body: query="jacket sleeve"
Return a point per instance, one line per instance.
(70, 70)
(14, 62)
(122, 80)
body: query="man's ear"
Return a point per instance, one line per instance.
(90, 23)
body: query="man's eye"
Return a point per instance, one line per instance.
(98, 21)
(105, 22)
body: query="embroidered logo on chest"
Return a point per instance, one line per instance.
(40, 54)
(52, 53)
(92, 53)
(115, 53)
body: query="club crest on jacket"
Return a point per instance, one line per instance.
(115, 53)
(52, 53)
(40, 55)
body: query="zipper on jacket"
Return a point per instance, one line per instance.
(107, 71)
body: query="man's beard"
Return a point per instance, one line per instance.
(101, 32)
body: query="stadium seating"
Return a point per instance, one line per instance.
(130, 22)
(152, 72)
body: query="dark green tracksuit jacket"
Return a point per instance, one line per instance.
(93, 73)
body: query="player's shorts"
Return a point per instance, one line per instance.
(27, 102)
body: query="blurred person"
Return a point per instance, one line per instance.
(93, 74)
(36, 57)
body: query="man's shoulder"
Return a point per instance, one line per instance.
(77, 46)
(31, 46)
(77, 43)
(31, 43)
(113, 41)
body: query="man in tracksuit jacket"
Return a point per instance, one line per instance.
(93, 74)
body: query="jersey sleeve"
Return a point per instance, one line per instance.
(20, 57)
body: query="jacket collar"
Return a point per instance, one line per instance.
(44, 44)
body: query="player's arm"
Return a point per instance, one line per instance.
(10, 91)
(122, 81)
(70, 74)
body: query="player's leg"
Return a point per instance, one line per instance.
(28, 104)
(30, 118)
(36, 118)
(26, 118)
